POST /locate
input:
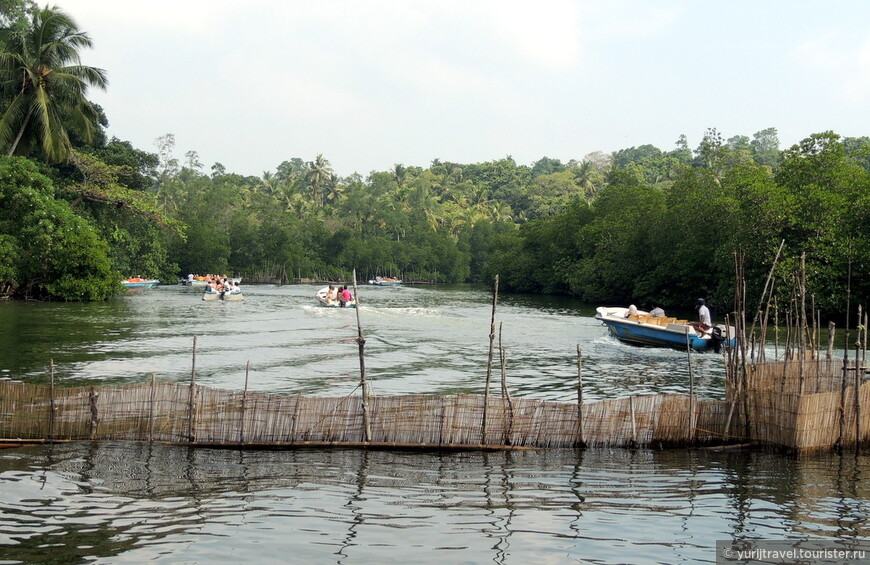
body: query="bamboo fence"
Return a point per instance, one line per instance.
(168, 412)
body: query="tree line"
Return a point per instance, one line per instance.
(79, 211)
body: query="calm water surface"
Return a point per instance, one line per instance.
(430, 340)
(135, 503)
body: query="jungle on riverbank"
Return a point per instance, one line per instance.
(79, 211)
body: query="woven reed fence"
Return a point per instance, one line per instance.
(168, 412)
(807, 405)
(181, 413)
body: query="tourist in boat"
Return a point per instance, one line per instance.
(346, 297)
(331, 296)
(704, 314)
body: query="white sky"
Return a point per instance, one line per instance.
(370, 84)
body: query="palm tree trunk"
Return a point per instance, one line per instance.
(24, 123)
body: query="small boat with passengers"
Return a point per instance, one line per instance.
(385, 281)
(638, 327)
(327, 300)
(227, 295)
(139, 282)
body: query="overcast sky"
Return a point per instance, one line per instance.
(370, 84)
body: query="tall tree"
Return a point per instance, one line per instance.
(318, 175)
(44, 84)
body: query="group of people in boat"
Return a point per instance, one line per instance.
(704, 323)
(339, 295)
(217, 283)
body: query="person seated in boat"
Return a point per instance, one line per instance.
(657, 312)
(632, 311)
(704, 323)
(235, 288)
(331, 296)
(704, 314)
(346, 297)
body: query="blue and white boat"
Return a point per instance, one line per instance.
(640, 328)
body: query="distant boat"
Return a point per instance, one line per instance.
(138, 282)
(385, 281)
(640, 328)
(225, 295)
(200, 282)
(320, 297)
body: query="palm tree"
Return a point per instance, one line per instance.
(318, 175)
(584, 178)
(44, 85)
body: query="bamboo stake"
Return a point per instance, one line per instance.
(766, 283)
(505, 392)
(367, 427)
(860, 357)
(244, 403)
(691, 387)
(860, 381)
(190, 432)
(489, 361)
(92, 400)
(633, 424)
(803, 322)
(582, 440)
(51, 404)
(775, 329)
(151, 409)
(845, 355)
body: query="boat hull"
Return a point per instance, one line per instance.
(140, 283)
(636, 331)
(384, 282)
(225, 296)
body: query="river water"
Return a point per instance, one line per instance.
(135, 503)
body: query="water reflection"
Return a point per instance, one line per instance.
(129, 503)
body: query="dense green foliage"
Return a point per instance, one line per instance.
(674, 240)
(44, 247)
(641, 225)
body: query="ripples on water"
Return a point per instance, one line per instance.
(117, 503)
(419, 340)
(122, 503)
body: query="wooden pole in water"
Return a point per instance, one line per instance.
(92, 400)
(51, 404)
(151, 409)
(802, 324)
(860, 380)
(190, 435)
(857, 383)
(362, 366)
(845, 354)
(691, 387)
(505, 393)
(581, 441)
(767, 284)
(244, 404)
(489, 361)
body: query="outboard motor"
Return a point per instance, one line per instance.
(716, 339)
